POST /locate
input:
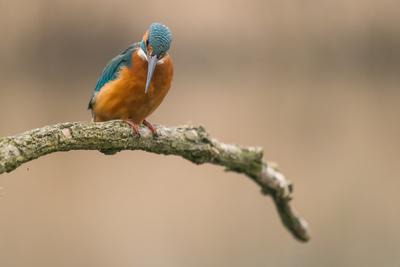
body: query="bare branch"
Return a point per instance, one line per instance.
(190, 142)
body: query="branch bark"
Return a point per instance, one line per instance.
(190, 142)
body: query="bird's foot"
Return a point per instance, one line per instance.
(134, 126)
(152, 129)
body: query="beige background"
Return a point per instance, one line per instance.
(316, 83)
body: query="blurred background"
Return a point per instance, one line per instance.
(316, 83)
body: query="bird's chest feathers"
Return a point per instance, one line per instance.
(125, 97)
(133, 80)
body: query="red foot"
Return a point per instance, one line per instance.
(134, 126)
(152, 129)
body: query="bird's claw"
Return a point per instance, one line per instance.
(134, 126)
(152, 129)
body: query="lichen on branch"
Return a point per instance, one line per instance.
(190, 142)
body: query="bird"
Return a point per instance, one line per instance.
(134, 83)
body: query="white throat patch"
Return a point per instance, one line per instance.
(143, 55)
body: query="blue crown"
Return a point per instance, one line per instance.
(160, 38)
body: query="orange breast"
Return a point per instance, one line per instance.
(124, 98)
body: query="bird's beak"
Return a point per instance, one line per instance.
(152, 63)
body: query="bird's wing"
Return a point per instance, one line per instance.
(111, 71)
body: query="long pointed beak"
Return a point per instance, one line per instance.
(152, 63)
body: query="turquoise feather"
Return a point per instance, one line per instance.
(112, 69)
(160, 38)
(110, 72)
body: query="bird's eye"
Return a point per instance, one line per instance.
(147, 42)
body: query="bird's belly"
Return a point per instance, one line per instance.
(125, 98)
(141, 105)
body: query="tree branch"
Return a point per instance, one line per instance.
(190, 142)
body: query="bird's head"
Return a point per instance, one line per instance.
(155, 43)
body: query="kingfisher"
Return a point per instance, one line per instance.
(134, 83)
